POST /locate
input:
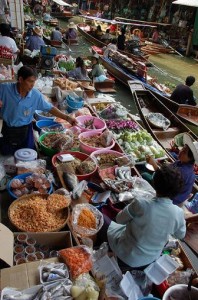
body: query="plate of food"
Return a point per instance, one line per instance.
(158, 120)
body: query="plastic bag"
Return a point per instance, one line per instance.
(62, 191)
(85, 286)
(87, 220)
(52, 271)
(106, 138)
(35, 166)
(78, 259)
(63, 142)
(2, 171)
(79, 189)
(142, 189)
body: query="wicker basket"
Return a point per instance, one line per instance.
(28, 197)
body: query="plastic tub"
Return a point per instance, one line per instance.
(99, 124)
(79, 155)
(180, 292)
(22, 176)
(45, 123)
(39, 116)
(75, 102)
(89, 149)
(48, 151)
(25, 154)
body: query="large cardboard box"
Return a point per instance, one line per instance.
(25, 275)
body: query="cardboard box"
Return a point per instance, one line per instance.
(25, 275)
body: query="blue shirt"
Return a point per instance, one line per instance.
(143, 228)
(34, 42)
(18, 111)
(188, 176)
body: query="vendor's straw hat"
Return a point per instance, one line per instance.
(193, 145)
(72, 25)
(38, 31)
(136, 30)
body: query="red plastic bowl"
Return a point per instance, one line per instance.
(79, 155)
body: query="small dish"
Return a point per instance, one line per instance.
(149, 167)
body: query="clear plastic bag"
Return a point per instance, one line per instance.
(78, 259)
(35, 166)
(52, 271)
(2, 171)
(142, 189)
(87, 220)
(106, 138)
(85, 286)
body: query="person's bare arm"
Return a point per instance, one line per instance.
(57, 113)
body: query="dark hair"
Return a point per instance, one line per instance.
(5, 29)
(123, 31)
(167, 181)
(114, 41)
(80, 64)
(190, 80)
(26, 72)
(107, 30)
(57, 28)
(99, 28)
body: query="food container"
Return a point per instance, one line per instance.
(110, 152)
(39, 116)
(89, 149)
(21, 260)
(99, 124)
(18, 249)
(22, 237)
(18, 256)
(39, 255)
(180, 292)
(30, 249)
(75, 103)
(46, 123)
(25, 154)
(48, 151)
(23, 177)
(31, 257)
(79, 155)
(30, 241)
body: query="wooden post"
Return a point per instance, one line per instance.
(189, 43)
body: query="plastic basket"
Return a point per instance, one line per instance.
(75, 102)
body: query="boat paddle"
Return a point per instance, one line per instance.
(166, 44)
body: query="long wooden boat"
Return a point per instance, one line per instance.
(123, 75)
(101, 44)
(65, 15)
(53, 22)
(146, 102)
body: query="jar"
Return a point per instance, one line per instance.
(39, 255)
(31, 257)
(21, 260)
(25, 154)
(29, 249)
(18, 248)
(18, 256)
(30, 242)
(22, 237)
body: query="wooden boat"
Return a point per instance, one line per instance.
(146, 102)
(123, 75)
(52, 22)
(66, 14)
(52, 43)
(73, 42)
(99, 43)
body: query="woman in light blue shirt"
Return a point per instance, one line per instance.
(143, 227)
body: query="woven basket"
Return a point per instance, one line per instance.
(26, 198)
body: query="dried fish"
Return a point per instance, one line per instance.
(70, 180)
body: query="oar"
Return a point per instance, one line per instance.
(166, 44)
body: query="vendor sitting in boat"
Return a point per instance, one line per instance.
(97, 73)
(143, 227)
(56, 35)
(35, 41)
(98, 32)
(18, 102)
(156, 36)
(71, 33)
(136, 36)
(80, 72)
(187, 156)
(111, 46)
(183, 93)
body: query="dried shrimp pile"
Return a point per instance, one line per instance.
(36, 214)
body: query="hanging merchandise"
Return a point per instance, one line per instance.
(17, 14)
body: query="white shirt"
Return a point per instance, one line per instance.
(108, 48)
(9, 43)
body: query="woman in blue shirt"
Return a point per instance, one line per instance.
(18, 102)
(143, 227)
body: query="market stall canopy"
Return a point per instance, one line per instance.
(60, 2)
(193, 3)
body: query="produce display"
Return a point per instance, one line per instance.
(100, 140)
(77, 166)
(33, 213)
(114, 111)
(33, 184)
(66, 65)
(118, 125)
(109, 159)
(139, 144)
(58, 141)
(66, 84)
(123, 60)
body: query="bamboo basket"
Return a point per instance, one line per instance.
(26, 198)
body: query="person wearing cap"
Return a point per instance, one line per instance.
(35, 41)
(71, 33)
(18, 102)
(6, 40)
(187, 157)
(141, 230)
(183, 94)
(56, 35)
(97, 73)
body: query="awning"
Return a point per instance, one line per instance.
(193, 3)
(60, 2)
